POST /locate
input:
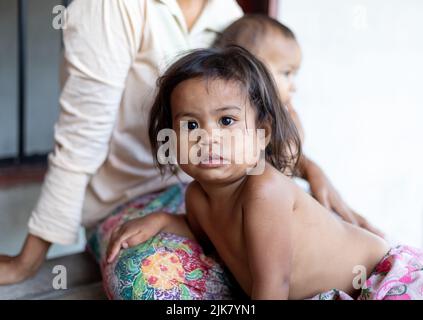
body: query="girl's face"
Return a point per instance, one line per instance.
(211, 118)
(283, 58)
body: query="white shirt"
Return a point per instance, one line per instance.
(114, 52)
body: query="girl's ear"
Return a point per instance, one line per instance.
(268, 132)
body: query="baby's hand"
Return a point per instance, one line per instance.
(134, 232)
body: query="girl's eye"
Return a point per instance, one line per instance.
(226, 121)
(284, 73)
(192, 125)
(189, 125)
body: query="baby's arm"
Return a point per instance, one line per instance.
(139, 230)
(267, 231)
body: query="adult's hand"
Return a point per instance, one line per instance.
(14, 269)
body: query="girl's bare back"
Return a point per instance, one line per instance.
(323, 249)
(327, 250)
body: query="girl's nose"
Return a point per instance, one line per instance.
(211, 136)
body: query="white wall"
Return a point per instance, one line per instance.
(360, 97)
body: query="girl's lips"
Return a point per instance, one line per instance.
(213, 162)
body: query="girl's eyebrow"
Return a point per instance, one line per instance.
(193, 114)
(226, 108)
(184, 114)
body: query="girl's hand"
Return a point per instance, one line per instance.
(134, 232)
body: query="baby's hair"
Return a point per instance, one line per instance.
(248, 30)
(232, 63)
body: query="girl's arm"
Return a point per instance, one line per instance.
(139, 230)
(194, 205)
(267, 231)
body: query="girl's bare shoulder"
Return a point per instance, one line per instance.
(194, 187)
(194, 195)
(271, 185)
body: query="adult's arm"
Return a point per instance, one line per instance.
(100, 41)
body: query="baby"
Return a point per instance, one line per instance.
(278, 241)
(276, 46)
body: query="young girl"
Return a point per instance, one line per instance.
(278, 242)
(277, 47)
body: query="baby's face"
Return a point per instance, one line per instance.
(283, 59)
(211, 118)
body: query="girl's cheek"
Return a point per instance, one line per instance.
(249, 149)
(233, 146)
(181, 146)
(239, 150)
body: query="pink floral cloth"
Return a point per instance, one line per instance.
(398, 276)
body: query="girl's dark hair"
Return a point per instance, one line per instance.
(232, 63)
(249, 30)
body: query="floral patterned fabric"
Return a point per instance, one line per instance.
(398, 276)
(166, 266)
